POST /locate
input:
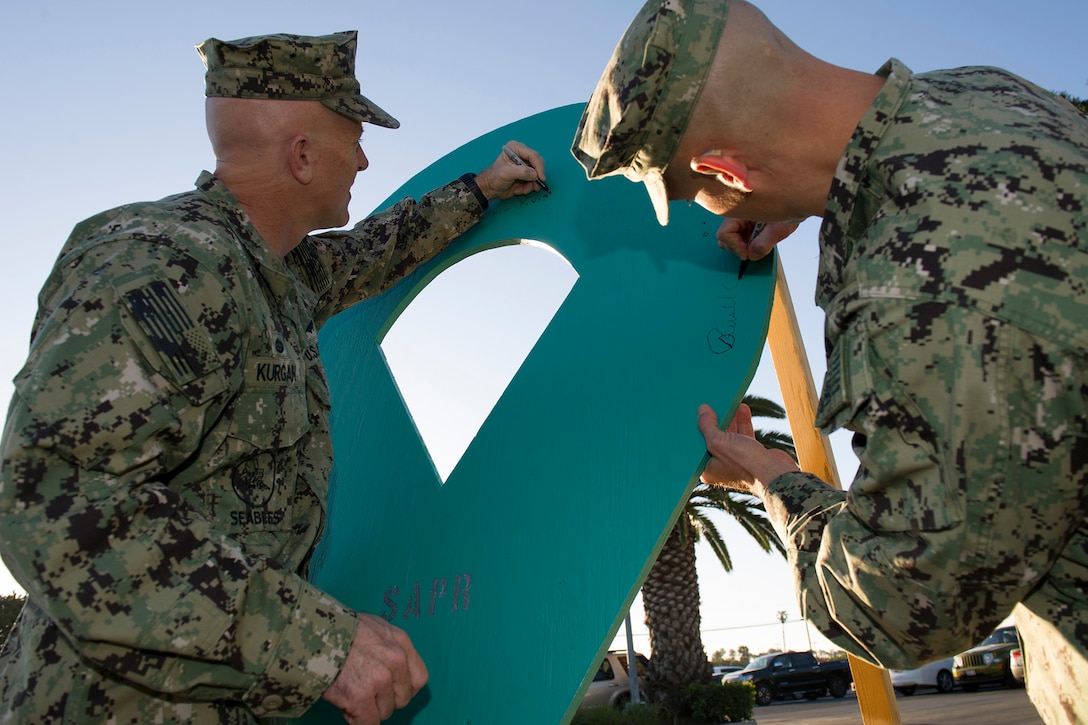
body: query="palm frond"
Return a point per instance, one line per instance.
(764, 407)
(777, 440)
(709, 532)
(672, 585)
(746, 510)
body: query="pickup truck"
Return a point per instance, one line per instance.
(787, 674)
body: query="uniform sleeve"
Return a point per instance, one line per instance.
(967, 430)
(97, 493)
(388, 245)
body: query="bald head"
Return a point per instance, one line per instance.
(249, 132)
(769, 126)
(751, 74)
(708, 100)
(289, 163)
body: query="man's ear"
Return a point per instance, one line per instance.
(299, 159)
(726, 168)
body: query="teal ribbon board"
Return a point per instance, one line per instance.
(514, 575)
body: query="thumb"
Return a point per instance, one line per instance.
(708, 420)
(761, 243)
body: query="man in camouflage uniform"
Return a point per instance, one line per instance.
(953, 265)
(167, 455)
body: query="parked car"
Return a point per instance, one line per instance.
(989, 662)
(1017, 665)
(789, 674)
(937, 675)
(612, 683)
(721, 671)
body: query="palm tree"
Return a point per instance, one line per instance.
(10, 606)
(670, 594)
(1080, 103)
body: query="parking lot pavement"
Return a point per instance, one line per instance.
(991, 706)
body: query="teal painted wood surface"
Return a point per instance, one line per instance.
(513, 576)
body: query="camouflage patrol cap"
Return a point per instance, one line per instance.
(642, 104)
(291, 68)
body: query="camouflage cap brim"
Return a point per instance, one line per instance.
(642, 104)
(291, 68)
(654, 181)
(360, 108)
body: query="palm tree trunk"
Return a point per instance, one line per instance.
(672, 613)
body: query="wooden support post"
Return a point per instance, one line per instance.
(876, 697)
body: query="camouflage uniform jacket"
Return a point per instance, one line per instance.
(953, 274)
(166, 461)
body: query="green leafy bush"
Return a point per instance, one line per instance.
(642, 715)
(603, 715)
(630, 715)
(728, 702)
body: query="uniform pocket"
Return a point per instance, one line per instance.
(266, 424)
(161, 325)
(901, 485)
(846, 386)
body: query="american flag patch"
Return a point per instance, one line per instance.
(168, 325)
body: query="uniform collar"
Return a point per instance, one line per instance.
(276, 274)
(840, 224)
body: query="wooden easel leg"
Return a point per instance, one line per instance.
(876, 697)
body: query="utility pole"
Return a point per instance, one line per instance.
(632, 664)
(782, 617)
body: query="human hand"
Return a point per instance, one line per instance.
(382, 672)
(737, 460)
(736, 236)
(505, 178)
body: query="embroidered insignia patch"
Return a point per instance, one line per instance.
(168, 325)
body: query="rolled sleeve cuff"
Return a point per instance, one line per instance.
(799, 505)
(306, 659)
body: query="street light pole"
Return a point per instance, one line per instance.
(782, 617)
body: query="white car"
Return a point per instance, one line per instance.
(612, 684)
(721, 671)
(937, 675)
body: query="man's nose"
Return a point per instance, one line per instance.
(362, 159)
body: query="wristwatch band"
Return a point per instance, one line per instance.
(469, 180)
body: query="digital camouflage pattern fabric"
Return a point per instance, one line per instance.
(166, 460)
(291, 68)
(642, 104)
(953, 272)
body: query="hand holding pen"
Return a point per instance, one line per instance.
(740, 237)
(506, 177)
(745, 262)
(518, 161)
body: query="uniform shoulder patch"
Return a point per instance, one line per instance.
(161, 315)
(317, 273)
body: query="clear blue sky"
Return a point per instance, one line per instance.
(103, 105)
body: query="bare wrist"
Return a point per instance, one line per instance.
(483, 180)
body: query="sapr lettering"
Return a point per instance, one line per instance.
(435, 599)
